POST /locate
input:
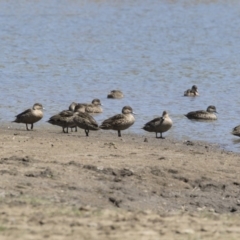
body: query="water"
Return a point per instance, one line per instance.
(56, 52)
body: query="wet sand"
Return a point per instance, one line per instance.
(68, 186)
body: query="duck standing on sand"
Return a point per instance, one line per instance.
(85, 121)
(76, 107)
(30, 116)
(117, 94)
(119, 122)
(159, 125)
(236, 131)
(193, 92)
(64, 119)
(202, 114)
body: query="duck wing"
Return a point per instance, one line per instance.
(26, 112)
(23, 116)
(66, 113)
(187, 91)
(195, 114)
(61, 119)
(86, 121)
(112, 121)
(151, 125)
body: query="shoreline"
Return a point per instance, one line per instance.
(231, 146)
(46, 127)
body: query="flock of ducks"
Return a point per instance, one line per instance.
(79, 115)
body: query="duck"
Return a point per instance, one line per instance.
(94, 107)
(193, 92)
(72, 106)
(76, 107)
(64, 118)
(236, 131)
(119, 122)
(159, 124)
(202, 114)
(30, 116)
(117, 94)
(85, 121)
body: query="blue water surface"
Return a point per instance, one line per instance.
(55, 52)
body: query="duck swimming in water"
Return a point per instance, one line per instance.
(159, 125)
(30, 116)
(202, 114)
(94, 107)
(236, 131)
(119, 122)
(193, 92)
(117, 94)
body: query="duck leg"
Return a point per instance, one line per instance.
(64, 130)
(160, 136)
(27, 126)
(156, 135)
(86, 131)
(76, 129)
(32, 126)
(119, 133)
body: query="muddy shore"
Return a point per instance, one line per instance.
(68, 186)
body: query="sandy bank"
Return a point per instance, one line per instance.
(113, 186)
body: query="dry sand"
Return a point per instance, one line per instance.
(68, 186)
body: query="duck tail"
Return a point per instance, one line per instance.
(16, 121)
(50, 121)
(146, 128)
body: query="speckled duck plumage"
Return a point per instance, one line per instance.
(120, 122)
(209, 114)
(85, 121)
(159, 125)
(64, 119)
